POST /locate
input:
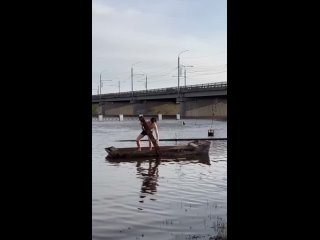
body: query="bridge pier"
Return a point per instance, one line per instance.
(181, 106)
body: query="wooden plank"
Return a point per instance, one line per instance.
(180, 139)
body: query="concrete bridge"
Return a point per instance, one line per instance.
(203, 100)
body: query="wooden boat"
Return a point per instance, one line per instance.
(191, 150)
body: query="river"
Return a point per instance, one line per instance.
(174, 200)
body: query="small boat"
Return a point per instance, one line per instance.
(191, 150)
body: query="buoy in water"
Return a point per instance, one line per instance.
(210, 132)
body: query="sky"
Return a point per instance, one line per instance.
(149, 35)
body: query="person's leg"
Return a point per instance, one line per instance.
(150, 144)
(138, 141)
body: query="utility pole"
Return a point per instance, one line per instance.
(132, 82)
(100, 83)
(185, 74)
(179, 70)
(132, 78)
(100, 86)
(178, 74)
(119, 87)
(146, 83)
(100, 92)
(100, 101)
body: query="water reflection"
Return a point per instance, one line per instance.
(149, 177)
(203, 158)
(150, 174)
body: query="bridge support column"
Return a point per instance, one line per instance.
(181, 106)
(100, 111)
(103, 109)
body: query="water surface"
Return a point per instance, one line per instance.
(171, 200)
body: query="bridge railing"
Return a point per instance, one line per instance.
(161, 91)
(201, 87)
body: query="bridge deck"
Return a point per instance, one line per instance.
(200, 90)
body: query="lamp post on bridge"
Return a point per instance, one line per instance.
(102, 81)
(100, 88)
(179, 70)
(146, 82)
(132, 78)
(185, 74)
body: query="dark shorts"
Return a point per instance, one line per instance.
(143, 133)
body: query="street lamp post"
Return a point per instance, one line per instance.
(185, 74)
(132, 78)
(146, 84)
(100, 87)
(102, 81)
(100, 84)
(179, 70)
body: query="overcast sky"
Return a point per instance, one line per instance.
(150, 34)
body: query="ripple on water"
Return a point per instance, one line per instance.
(180, 200)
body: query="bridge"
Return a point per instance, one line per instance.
(191, 91)
(202, 100)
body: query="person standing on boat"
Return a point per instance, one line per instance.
(153, 128)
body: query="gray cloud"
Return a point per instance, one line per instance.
(123, 36)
